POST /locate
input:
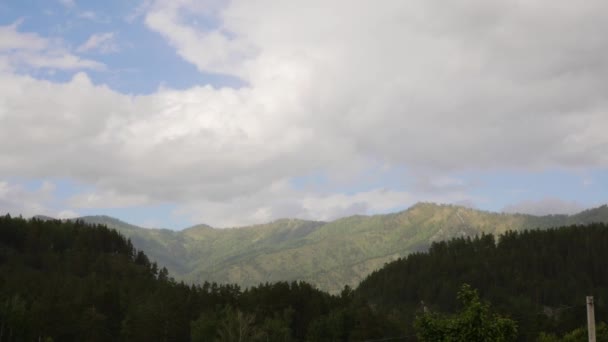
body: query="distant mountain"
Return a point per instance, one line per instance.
(44, 218)
(328, 254)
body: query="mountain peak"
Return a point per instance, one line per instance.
(433, 206)
(200, 226)
(351, 247)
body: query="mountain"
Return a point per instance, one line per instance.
(43, 218)
(538, 277)
(70, 281)
(327, 254)
(67, 281)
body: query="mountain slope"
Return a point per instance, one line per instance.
(70, 281)
(538, 277)
(328, 254)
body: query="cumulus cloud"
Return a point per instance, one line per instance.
(68, 3)
(545, 206)
(94, 16)
(331, 87)
(173, 144)
(30, 50)
(101, 42)
(16, 199)
(66, 214)
(139, 11)
(281, 200)
(106, 199)
(11, 39)
(440, 184)
(421, 82)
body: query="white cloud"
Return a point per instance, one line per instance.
(280, 200)
(15, 199)
(102, 42)
(68, 3)
(30, 50)
(94, 16)
(11, 39)
(213, 50)
(55, 60)
(587, 182)
(105, 199)
(545, 206)
(332, 87)
(139, 11)
(67, 214)
(420, 82)
(90, 15)
(440, 184)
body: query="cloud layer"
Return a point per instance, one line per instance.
(545, 206)
(26, 51)
(102, 42)
(333, 87)
(421, 83)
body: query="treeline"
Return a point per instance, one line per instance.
(68, 281)
(539, 278)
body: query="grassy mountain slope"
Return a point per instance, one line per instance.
(329, 255)
(162, 245)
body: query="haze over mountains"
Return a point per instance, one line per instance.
(327, 254)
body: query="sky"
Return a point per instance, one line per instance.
(172, 113)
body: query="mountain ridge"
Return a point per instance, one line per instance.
(288, 219)
(327, 254)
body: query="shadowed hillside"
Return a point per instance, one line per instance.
(538, 277)
(71, 281)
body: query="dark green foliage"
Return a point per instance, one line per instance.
(73, 282)
(474, 322)
(577, 335)
(68, 281)
(539, 277)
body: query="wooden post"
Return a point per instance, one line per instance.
(590, 319)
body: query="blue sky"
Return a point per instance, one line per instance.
(174, 113)
(143, 62)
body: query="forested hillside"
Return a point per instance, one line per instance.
(327, 254)
(539, 278)
(68, 281)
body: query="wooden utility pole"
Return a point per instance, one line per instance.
(590, 319)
